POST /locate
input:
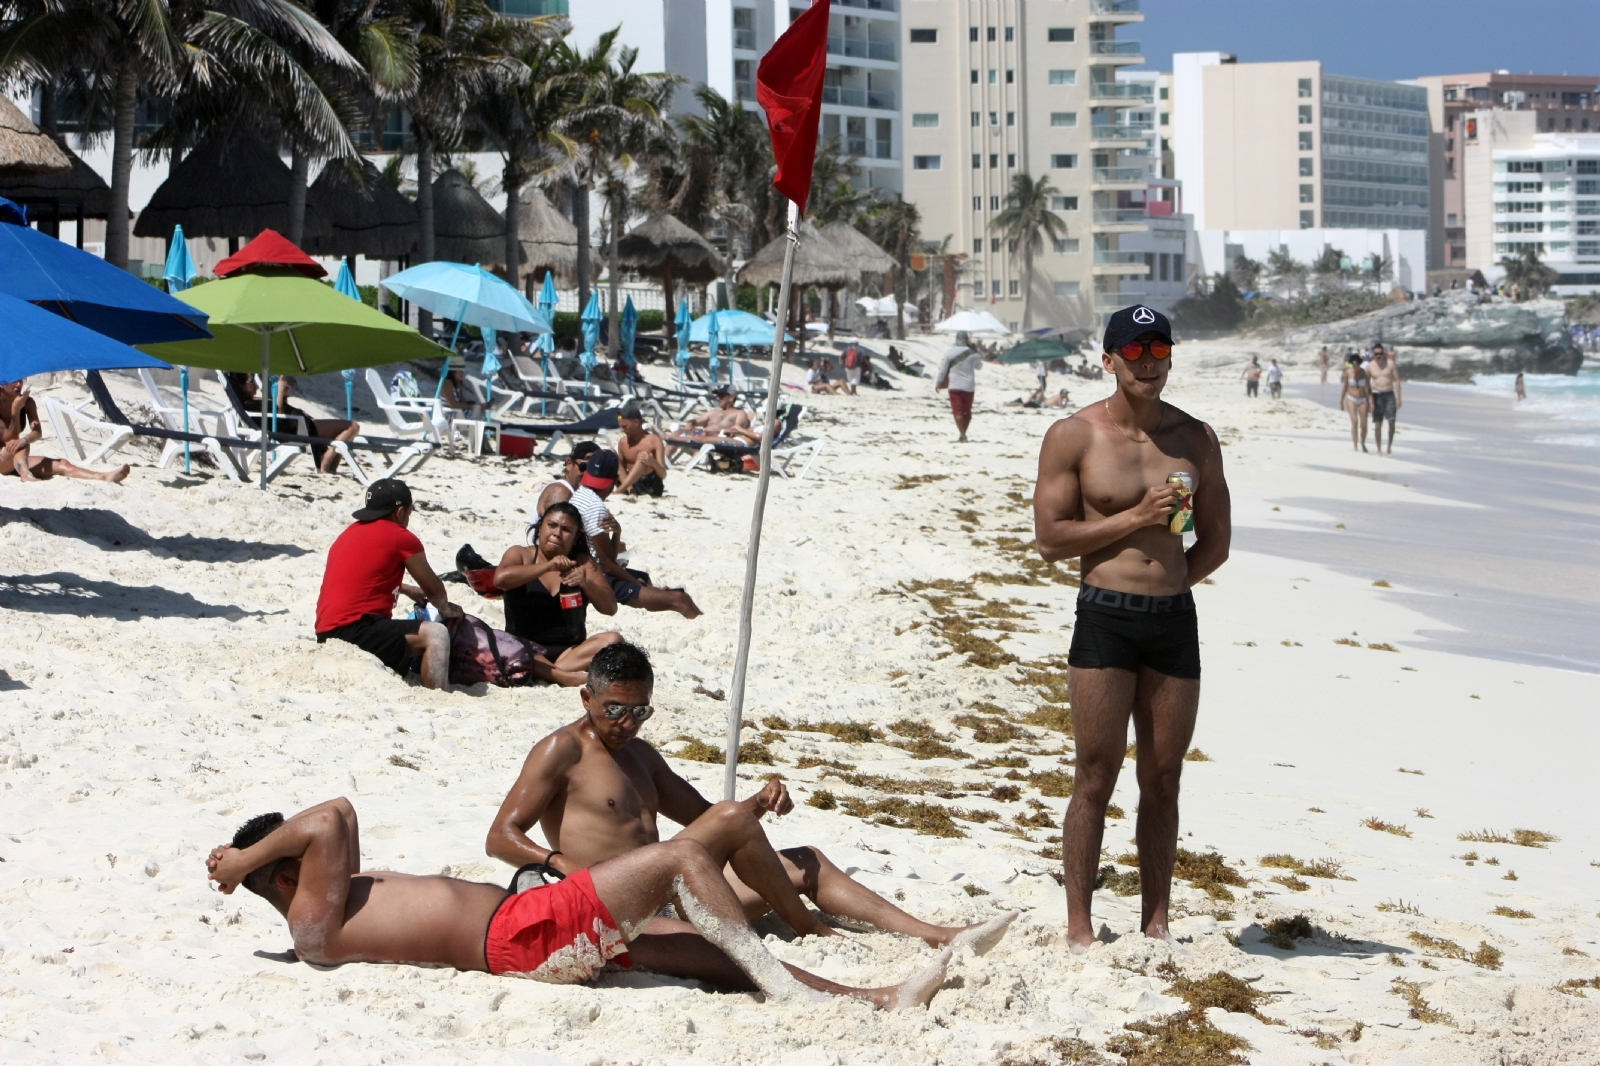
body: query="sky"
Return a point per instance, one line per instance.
(1389, 40)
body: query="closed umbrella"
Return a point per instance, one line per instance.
(630, 331)
(545, 343)
(346, 283)
(38, 342)
(682, 332)
(712, 338)
(591, 337)
(178, 273)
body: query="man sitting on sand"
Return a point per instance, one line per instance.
(309, 868)
(364, 577)
(632, 587)
(1103, 497)
(643, 455)
(561, 489)
(597, 791)
(17, 407)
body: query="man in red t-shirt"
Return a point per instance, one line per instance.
(366, 574)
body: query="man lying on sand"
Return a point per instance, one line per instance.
(597, 791)
(309, 868)
(1103, 495)
(17, 407)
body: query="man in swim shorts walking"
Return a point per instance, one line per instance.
(1103, 497)
(959, 373)
(1384, 374)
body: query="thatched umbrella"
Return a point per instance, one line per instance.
(818, 263)
(76, 193)
(24, 150)
(548, 238)
(856, 246)
(366, 217)
(662, 247)
(227, 187)
(466, 227)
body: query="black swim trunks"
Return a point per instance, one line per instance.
(649, 485)
(1126, 630)
(381, 636)
(628, 591)
(1383, 405)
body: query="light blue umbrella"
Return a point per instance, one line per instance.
(178, 273)
(630, 330)
(545, 343)
(346, 283)
(591, 337)
(468, 295)
(736, 327)
(682, 358)
(712, 337)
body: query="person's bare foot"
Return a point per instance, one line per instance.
(919, 990)
(117, 476)
(982, 937)
(1080, 947)
(686, 606)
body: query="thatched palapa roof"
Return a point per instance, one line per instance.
(227, 187)
(549, 239)
(857, 246)
(817, 261)
(662, 243)
(24, 149)
(466, 227)
(69, 188)
(366, 216)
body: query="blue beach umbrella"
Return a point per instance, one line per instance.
(630, 330)
(736, 328)
(682, 357)
(38, 342)
(545, 343)
(178, 273)
(346, 283)
(591, 337)
(467, 295)
(712, 338)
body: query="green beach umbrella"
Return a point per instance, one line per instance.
(1043, 350)
(278, 321)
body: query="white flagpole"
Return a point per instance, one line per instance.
(747, 602)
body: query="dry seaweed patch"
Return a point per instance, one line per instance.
(1002, 762)
(1421, 1009)
(1039, 817)
(1399, 907)
(1049, 716)
(1576, 985)
(959, 631)
(849, 732)
(1218, 989)
(806, 762)
(403, 762)
(1386, 827)
(978, 816)
(1117, 882)
(1062, 1051)
(1196, 755)
(1005, 793)
(927, 819)
(1292, 883)
(697, 750)
(1185, 1038)
(822, 800)
(1208, 872)
(1522, 838)
(930, 748)
(1283, 932)
(1511, 912)
(1486, 957)
(912, 786)
(992, 730)
(1327, 868)
(911, 481)
(1056, 784)
(754, 751)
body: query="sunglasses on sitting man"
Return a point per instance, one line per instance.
(640, 713)
(1136, 349)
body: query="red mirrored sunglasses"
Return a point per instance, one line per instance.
(1135, 349)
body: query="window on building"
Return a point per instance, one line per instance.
(1164, 117)
(990, 33)
(1011, 247)
(1068, 161)
(1011, 77)
(977, 246)
(1063, 77)
(994, 118)
(1307, 165)
(1063, 203)
(1163, 92)
(1305, 88)
(1013, 288)
(1177, 267)
(1011, 118)
(1306, 137)
(977, 203)
(972, 34)
(1305, 114)
(1308, 220)
(924, 162)
(1150, 265)
(994, 160)
(977, 289)
(994, 203)
(1165, 263)
(994, 77)
(1060, 34)
(1011, 160)
(1069, 288)
(1067, 245)
(1450, 219)
(977, 161)
(744, 82)
(925, 120)
(974, 77)
(994, 287)
(1069, 119)
(1011, 33)
(924, 36)
(1307, 194)
(1588, 166)
(1588, 188)
(977, 118)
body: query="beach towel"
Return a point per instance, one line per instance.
(481, 653)
(404, 386)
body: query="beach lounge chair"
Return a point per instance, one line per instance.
(545, 388)
(782, 451)
(597, 423)
(412, 417)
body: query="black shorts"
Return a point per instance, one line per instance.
(383, 637)
(628, 591)
(1383, 406)
(649, 485)
(1252, 387)
(1125, 630)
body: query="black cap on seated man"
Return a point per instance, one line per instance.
(383, 496)
(1131, 323)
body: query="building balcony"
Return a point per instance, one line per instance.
(1126, 92)
(1118, 177)
(1119, 220)
(867, 5)
(878, 99)
(1115, 11)
(1127, 263)
(1115, 301)
(1119, 133)
(1103, 53)
(863, 148)
(859, 48)
(745, 39)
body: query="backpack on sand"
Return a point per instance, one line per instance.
(481, 653)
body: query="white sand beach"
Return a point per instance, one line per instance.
(161, 684)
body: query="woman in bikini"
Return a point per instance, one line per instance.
(549, 587)
(1355, 397)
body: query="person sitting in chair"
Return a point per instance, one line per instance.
(325, 458)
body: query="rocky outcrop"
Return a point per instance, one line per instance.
(1453, 337)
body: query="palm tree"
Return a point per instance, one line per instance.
(1026, 221)
(896, 227)
(1526, 271)
(833, 198)
(725, 175)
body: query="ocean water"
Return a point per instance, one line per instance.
(1570, 405)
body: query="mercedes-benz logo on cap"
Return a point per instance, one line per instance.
(1143, 315)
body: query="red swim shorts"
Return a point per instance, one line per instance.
(961, 403)
(559, 933)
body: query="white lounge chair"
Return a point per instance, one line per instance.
(410, 417)
(783, 452)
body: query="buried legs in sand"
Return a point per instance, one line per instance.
(1163, 711)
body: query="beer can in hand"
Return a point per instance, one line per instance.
(1182, 520)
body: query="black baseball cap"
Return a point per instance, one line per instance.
(383, 496)
(1131, 322)
(601, 472)
(582, 450)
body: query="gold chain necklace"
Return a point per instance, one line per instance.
(1161, 422)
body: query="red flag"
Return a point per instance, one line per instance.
(789, 90)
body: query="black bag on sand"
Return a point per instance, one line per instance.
(479, 652)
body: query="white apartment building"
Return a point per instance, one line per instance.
(720, 43)
(1526, 189)
(997, 88)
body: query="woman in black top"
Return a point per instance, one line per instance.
(549, 587)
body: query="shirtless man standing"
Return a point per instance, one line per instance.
(309, 868)
(1383, 377)
(643, 455)
(17, 407)
(597, 790)
(1102, 496)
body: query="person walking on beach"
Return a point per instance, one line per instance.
(1522, 388)
(1252, 377)
(1275, 380)
(365, 575)
(1322, 365)
(959, 373)
(1105, 495)
(1383, 378)
(1354, 395)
